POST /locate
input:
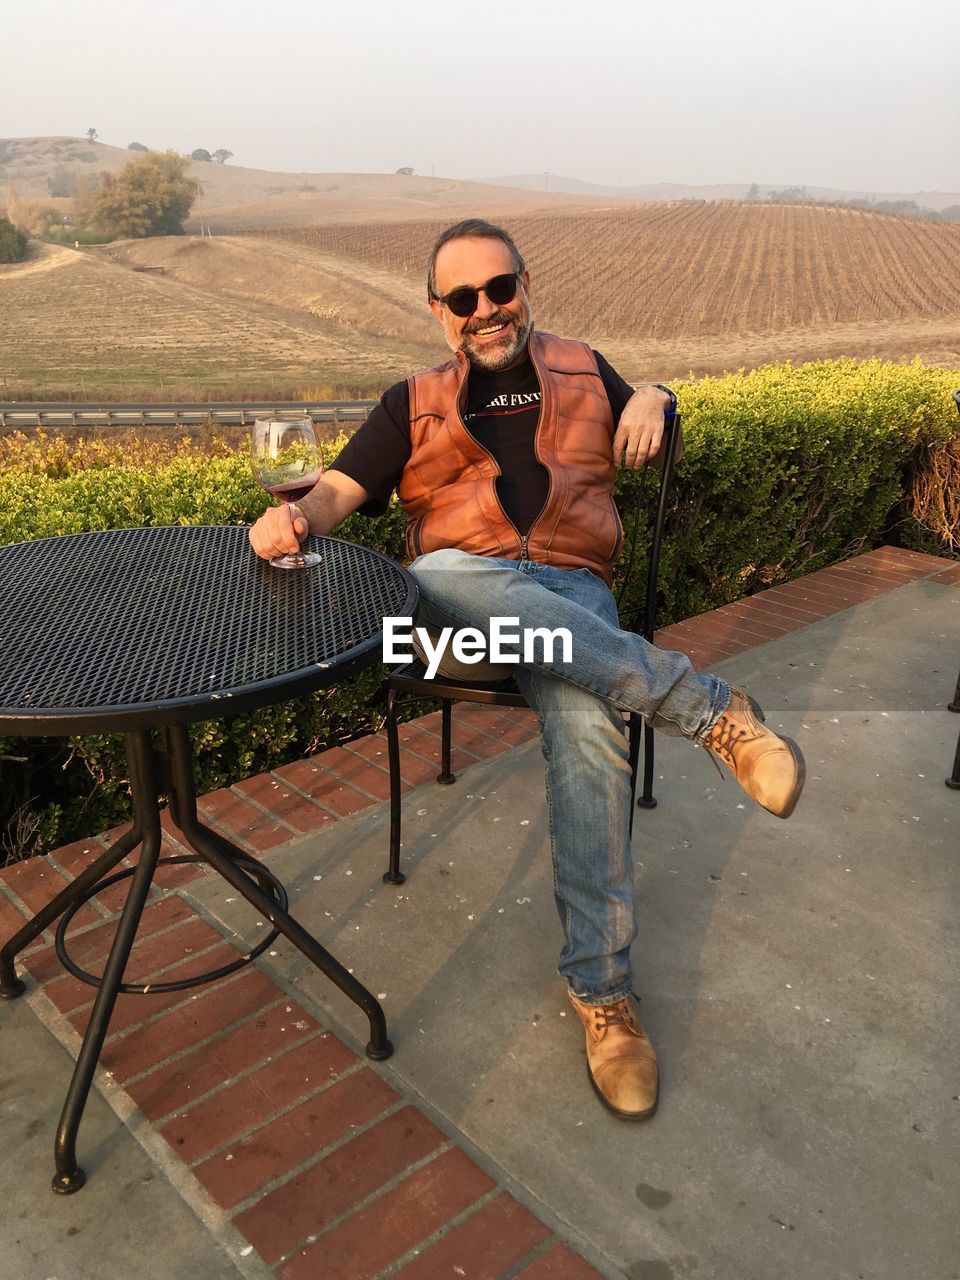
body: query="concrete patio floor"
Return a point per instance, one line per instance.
(798, 980)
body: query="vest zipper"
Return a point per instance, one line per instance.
(521, 538)
(536, 450)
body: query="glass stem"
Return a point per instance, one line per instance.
(298, 554)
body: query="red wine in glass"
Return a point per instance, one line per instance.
(287, 463)
(293, 490)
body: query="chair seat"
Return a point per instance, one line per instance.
(412, 677)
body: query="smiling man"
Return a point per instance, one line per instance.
(504, 460)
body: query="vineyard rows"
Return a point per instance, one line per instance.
(666, 270)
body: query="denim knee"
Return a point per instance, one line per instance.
(444, 558)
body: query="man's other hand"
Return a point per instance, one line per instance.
(277, 532)
(639, 438)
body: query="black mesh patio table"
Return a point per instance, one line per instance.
(136, 630)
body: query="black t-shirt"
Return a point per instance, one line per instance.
(502, 412)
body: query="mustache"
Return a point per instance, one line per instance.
(499, 318)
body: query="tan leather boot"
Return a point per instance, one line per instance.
(621, 1061)
(769, 768)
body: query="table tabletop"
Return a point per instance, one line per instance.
(130, 629)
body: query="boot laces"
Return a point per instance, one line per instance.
(723, 741)
(615, 1015)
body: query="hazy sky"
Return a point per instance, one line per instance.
(859, 94)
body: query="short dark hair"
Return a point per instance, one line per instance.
(470, 228)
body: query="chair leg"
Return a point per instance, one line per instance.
(636, 728)
(647, 799)
(446, 732)
(634, 723)
(393, 874)
(953, 782)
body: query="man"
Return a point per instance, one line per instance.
(504, 460)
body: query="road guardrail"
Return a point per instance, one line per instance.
(35, 414)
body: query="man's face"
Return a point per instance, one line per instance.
(495, 336)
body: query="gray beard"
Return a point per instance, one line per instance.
(492, 361)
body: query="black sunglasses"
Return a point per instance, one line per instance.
(499, 289)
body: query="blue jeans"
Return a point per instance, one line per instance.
(579, 704)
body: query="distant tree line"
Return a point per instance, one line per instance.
(905, 208)
(909, 208)
(220, 156)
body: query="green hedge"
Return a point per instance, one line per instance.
(789, 469)
(785, 470)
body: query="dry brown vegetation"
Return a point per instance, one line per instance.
(934, 499)
(85, 323)
(662, 290)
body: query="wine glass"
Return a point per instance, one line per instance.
(287, 462)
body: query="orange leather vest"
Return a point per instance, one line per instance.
(448, 488)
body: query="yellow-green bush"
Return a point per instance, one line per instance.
(785, 470)
(788, 469)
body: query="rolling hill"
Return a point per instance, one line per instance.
(232, 196)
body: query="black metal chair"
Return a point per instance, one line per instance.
(409, 683)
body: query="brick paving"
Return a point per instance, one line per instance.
(316, 1160)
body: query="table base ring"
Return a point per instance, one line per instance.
(268, 881)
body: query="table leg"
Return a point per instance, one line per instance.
(143, 786)
(222, 855)
(393, 875)
(10, 985)
(953, 782)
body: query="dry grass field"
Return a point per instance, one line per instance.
(86, 324)
(661, 289)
